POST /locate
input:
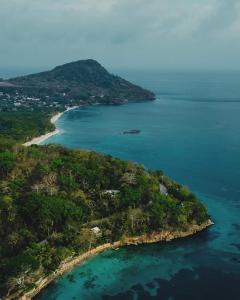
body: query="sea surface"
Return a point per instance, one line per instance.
(192, 132)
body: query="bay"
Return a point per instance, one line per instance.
(192, 132)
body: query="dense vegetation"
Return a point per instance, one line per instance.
(51, 198)
(80, 80)
(23, 126)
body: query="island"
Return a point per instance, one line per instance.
(60, 206)
(72, 84)
(28, 103)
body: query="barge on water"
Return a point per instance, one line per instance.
(132, 131)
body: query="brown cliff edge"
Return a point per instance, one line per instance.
(67, 265)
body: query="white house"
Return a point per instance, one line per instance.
(111, 192)
(96, 230)
(163, 190)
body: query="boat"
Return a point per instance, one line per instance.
(132, 131)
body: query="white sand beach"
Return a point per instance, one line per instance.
(41, 138)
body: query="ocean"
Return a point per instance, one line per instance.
(192, 133)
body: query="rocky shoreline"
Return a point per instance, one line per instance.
(67, 265)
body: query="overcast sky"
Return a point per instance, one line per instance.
(134, 34)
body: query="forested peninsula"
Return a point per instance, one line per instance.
(59, 206)
(71, 84)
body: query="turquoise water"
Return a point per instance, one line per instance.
(192, 132)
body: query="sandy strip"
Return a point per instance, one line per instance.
(53, 120)
(68, 265)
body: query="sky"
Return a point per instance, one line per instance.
(121, 34)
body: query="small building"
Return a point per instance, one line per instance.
(111, 192)
(163, 190)
(96, 230)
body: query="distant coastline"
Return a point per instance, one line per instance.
(53, 120)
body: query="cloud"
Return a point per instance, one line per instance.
(47, 32)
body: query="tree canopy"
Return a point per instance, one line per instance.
(51, 197)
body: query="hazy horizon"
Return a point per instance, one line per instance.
(137, 34)
(11, 72)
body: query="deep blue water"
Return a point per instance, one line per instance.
(192, 132)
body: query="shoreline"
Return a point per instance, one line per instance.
(39, 139)
(68, 265)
